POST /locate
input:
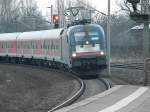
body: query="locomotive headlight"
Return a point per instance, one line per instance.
(102, 53)
(74, 54)
(87, 42)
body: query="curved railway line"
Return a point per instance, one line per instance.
(38, 84)
(138, 72)
(138, 66)
(72, 74)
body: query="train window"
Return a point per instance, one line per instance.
(30, 45)
(53, 47)
(67, 39)
(44, 46)
(36, 46)
(24, 46)
(57, 47)
(18, 46)
(79, 36)
(8, 45)
(11, 45)
(94, 35)
(5, 44)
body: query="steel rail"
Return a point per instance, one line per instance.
(72, 74)
(74, 97)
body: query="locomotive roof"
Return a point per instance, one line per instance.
(88, 25)
(91, 25)
(45, 34)
(9, 36)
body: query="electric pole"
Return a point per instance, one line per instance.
(108, 39)
(146, 39)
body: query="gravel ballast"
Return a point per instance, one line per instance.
(33, 89)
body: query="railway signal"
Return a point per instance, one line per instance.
(56, 20)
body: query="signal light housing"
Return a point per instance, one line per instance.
(56, 20)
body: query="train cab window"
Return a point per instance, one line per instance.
(94, 36)
(79, 36)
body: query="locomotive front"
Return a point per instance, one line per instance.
(87, 46)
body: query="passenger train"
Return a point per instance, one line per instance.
(79, 46)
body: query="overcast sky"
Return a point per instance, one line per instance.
(100, 5)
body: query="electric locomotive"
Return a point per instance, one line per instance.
(87, 45)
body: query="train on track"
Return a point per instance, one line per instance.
(78, 46)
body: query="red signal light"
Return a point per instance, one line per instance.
(55, 19)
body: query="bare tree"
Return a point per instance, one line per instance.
(20, 15)
(125, 6)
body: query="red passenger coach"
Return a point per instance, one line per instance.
(40, 44)
(48, 46)
(8, 44)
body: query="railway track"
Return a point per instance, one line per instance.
(137, 66)
(91, 88)
(70, 98)
(132, 73)
(74, 97)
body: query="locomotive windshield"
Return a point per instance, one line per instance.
(81, 36)
(86, 38)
